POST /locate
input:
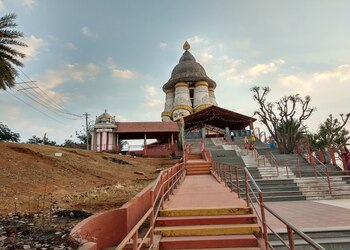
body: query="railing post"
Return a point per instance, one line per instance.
(162, 191)
(134, 240)
(225, 175)
(263, 218)
(152, 219)
(299, 167)
(290, 238)
(237, 183)
(331, 152)
(246, 187)
(231, 184)
(329, 182)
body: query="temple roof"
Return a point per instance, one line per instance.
(217, 117)
(142, 127)
(188, 70)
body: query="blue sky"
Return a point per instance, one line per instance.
(94, 55)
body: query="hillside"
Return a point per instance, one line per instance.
(32, 178)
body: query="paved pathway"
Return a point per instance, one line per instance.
(203, 191)
(310, 214)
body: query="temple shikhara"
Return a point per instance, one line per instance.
(189, 89)
(190, 111)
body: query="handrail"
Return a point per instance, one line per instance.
(163, 186)
(273, 161)
(259, 199)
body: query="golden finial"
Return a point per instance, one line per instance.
(186, 46)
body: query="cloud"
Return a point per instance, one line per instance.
(262, 69)
(2, 5)
(308, 83)
(204, 57)
(341, 73)
(67, 73)
(120, 73)
(150, 90)
(34, 44)
(196, 40)
(237, 72)
(88, 33)
(151, 101)
(71, 46)
(163, 45)
(124, 74)
(27, 3)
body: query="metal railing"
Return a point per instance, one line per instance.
(255, 197)
(164, 186)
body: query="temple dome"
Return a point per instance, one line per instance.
(188, 70)
(105, 118)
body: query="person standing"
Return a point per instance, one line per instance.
(246, 141)
(252, 136)
(232, 134)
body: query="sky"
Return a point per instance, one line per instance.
(85, 56)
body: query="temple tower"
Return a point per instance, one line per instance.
(188, 90)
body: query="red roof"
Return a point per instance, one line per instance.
(132, 127)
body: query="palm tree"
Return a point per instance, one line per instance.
(9, 57)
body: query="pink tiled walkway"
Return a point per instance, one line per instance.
(308, 214)
(203, 191)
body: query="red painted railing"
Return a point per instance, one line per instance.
(253, 195)
(161, 190)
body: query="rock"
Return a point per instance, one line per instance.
(139, 173)
(26, 247)
(71, 214)
(10, 230)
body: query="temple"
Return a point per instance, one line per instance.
(190, 111)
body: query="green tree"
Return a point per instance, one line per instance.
(283, 119)
(9, 56)
(332, 132)
(35, 140)
(7, 135)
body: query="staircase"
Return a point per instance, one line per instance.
(196, 165)
(233, 228)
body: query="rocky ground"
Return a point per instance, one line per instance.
(43, 196)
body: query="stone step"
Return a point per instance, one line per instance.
(206, 220)
(201, 230)
(205, 211)
(207, 242)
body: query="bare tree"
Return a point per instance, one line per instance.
(283, 119)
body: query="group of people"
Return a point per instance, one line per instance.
(247, 144)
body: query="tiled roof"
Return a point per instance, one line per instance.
(127, 127)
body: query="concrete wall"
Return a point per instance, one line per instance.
(109, 228)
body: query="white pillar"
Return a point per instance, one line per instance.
(169, 104)
(182, 101)
(212, 97)
(201, 98)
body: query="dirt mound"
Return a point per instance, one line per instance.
(36, 178)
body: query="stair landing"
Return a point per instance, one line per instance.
(203, 191)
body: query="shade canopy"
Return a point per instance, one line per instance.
(217, 117)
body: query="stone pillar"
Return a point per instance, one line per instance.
(212, 97)
(203, 132)
(169, 104)
(201, 98)
(182, 102)
(227, 132)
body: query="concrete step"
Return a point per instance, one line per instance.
(198, 172)
(205, 211)
(206, 220)
(201, 230)
(207, 242)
